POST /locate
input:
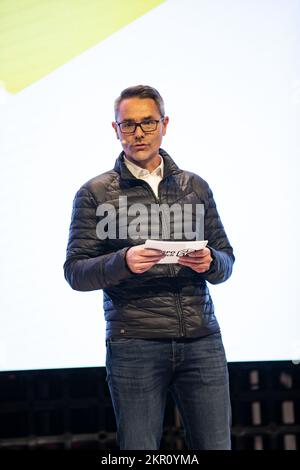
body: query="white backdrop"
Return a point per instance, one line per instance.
(229, 72)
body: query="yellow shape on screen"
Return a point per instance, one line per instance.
(37, 36)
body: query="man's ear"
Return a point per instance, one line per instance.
(115, 126)
(165, 124)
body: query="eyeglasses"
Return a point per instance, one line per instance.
(129, 127)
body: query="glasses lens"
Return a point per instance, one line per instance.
(148, 126)
(127, 128)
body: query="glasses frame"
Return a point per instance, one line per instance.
(140, 124)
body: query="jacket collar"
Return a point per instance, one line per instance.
(170, 167)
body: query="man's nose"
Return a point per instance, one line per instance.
(139, 131)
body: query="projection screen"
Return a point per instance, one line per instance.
(229, 72)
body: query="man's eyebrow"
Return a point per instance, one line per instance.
(146, 118)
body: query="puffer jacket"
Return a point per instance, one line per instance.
(167, 301)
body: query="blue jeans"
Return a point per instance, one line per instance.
(141, 371)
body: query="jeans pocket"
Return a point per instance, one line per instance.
(120, 340)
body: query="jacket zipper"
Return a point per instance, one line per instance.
(170, 266)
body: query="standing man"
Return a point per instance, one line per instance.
(162, 333)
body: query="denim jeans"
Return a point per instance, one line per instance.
(141, 371)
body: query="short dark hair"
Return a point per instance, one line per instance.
(142, 92)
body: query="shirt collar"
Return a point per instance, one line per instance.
(139, 172)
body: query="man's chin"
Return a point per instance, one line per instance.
(140, 155)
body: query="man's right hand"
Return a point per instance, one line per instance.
(140, 259)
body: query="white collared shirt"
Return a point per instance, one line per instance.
(153, 178)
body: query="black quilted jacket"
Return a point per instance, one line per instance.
(168, 300)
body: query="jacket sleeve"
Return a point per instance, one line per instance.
(221, 250)
(88, 266)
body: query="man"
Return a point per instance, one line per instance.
(162, 333)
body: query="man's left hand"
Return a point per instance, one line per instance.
(199, 260)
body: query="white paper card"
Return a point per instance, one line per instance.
(173, 250)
